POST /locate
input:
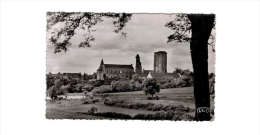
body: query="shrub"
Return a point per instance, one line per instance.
(109, 102)
(63, 90)
(51, 92)
(147, 106)
(180, 83)
(89, 98)
(121, 86)
(113, 115)
(102, 89)
(151, 87)
(162, 115)
(97, 83)
(136, 85)
(92, 110)
(77, 88)
(87, 87)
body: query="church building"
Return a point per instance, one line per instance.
(106, 71)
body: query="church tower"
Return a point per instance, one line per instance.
(100, 71)
(138, 65)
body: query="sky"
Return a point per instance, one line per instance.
(146, 34)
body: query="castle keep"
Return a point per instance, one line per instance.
(160, 62)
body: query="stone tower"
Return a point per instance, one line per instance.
(160, 62)
(100, 74)
(138, 65)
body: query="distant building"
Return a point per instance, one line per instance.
(149, 76)
(146, 72)
(73, 75)
(160, 62)
(106, 71)
(138, 65)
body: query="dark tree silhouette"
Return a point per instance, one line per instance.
(151, 87)
(200, 27)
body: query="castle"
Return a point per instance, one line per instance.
(106, 71)
(160, 62)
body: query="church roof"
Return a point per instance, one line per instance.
(118, 66)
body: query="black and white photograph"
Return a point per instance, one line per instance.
(131, 66)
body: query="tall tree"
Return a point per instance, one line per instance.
(200, 27)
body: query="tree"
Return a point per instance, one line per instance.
(200, 27)
(62, 26)
(151, 87)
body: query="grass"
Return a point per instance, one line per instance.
(74, 109)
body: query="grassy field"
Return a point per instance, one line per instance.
(176, 96)
(75, 109)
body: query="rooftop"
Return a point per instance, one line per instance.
(118, 66)
(161, 52)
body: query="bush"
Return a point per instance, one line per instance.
(63, 90)
(109, 102)
(151, 87)
(112, 115)
(92, 110)
(121, 86)
(77, 88)
(162, 115)
(87, 87)
(180, 83)
(97, 83)
(136, 85)
(146, 106)
(89, 98)
(102, 89)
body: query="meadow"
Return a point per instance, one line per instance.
(173, 104)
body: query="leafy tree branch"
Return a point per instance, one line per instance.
(181, 28)
(62, 26)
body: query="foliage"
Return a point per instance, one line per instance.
(145, 106)
(62, 26)
(137, 78)
(49, 81)
(181, 28)
(157, 116)
(112, 115)
(163, 112)
(151, 87)
(97, 83)
(102, 89)
(136, 85)
(92, 110)
(87, 87)
(121, 86)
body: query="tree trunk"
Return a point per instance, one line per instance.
(201, 28)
